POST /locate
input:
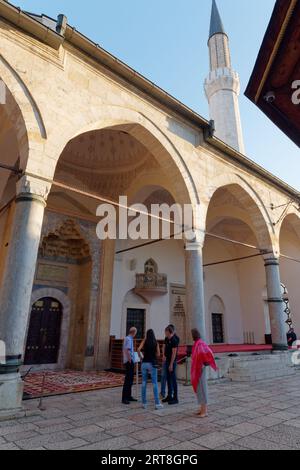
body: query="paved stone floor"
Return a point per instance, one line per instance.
(256, 416)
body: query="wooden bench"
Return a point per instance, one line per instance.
(116, 354)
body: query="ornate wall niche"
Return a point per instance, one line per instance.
(178, 311)
(151, 281)
(65, 245)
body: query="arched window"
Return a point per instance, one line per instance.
(135, 313)
(151, 267)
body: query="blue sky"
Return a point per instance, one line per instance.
(166, 40)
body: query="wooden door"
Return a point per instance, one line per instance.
(218, 328)
(44, 332)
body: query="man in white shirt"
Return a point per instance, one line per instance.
(128, 361)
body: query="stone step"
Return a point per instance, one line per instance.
(277, 359)
(259, 357)
(262, 357)
(274, 372)
(262, 376)
(262, 367)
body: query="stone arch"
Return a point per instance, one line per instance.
(16, 117)
(144, 190)
(145, 184)
(249, 200)
(289, 247)
(150, 191)
(216, 302)
(292, 216)
(23, 110)
(293, 219)
(59, 295)
(8, 183)
(226, 212)
(147, 133)
(230, 179)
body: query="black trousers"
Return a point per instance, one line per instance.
(128, 382)
(172, 381)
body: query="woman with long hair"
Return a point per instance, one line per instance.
(150, 356)
(202, 357)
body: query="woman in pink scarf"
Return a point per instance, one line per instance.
(202, 357)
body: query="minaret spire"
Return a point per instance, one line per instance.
(222, 86)
(216, 24)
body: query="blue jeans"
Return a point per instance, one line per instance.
(172, 381)
(164, 373)
(147, 368)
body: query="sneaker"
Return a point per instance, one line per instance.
(159, 407)
(161, 396)
(173, 402)
(145, 406)
(166, 400)
(133, 399)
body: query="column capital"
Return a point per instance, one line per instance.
(271, 260)
(194, 246)
(196, 240)
(30, 187)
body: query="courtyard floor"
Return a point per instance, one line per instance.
(256, 416)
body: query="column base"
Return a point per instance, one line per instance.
(280, 347)
(11, 394)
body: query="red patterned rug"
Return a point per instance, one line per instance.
(61, 383)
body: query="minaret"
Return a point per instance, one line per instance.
(222, 87)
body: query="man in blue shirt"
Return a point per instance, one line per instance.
(128, 361)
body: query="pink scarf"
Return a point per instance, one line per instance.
(202, 356)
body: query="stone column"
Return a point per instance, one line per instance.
(17, 284)
(95, 246)
(276, 305)
(195, 287)
(105, 304)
